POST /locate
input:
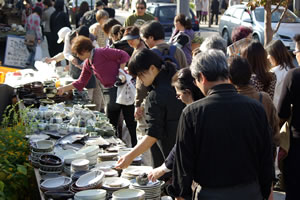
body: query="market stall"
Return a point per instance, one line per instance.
(73, 148)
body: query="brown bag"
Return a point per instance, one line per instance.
(29, 39)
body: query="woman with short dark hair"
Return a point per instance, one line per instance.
(162, 107)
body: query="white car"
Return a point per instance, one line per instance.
(240, 15)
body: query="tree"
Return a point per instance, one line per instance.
(267, 4)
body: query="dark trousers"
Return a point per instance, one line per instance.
(291, 170)
(113, 110)
(212, 18)
(50, 41)
(249, 191)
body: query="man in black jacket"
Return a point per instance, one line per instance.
(223, 140)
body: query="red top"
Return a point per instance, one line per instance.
(105, 64)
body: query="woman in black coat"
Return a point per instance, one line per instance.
(58, 20)
(214, 11)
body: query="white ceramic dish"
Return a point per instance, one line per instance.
(89, 150)
(90, 179)
(137, 170)
(69, 158)
(38, 137)
(56, 182)
(63, 153)
(128, 194)
(115, 183)
(80, 162)
(95, 194)
(108, 155)
(106, 165)
(44, 144)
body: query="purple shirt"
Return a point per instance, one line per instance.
(105, 64)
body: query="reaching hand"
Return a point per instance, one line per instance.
(156, 173)
(124, 162)
(61, 91)
(48, 60)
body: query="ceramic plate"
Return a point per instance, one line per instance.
(115, 182)
(91, 194)
(106, 165)
(90, 179)
(107, 155)
(63, 153)
(137, 170)
(80, 162)
(44, 144)
(128, 194)
(56, 182)
(38, 137)
(150, 184)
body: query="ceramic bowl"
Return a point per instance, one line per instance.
(80, 163)
(96, 194)
(43, 146)
(59, 195)
(76, 175)
(51, 168)
(90, 179)
(115, 183)
(50, 159)
(61, 182)
(69, 158)
(128, 194)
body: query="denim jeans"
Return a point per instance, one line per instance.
(30, 60)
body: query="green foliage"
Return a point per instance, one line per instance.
(256, 3)
(15, 170)
(192, 6)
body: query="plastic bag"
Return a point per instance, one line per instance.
(38, 53)
(126, 92)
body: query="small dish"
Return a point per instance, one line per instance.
(91, 194)
(70, 157)
(58, 182)
(128, 194)
(50, 159)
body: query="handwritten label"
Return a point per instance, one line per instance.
(16, 53)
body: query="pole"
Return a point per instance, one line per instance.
(209, 13)
(183, 7)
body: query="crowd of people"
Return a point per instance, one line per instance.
(210, 117)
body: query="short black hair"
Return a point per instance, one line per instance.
(38, 10)
(141, 2)
(83, 30)
(109, 24)
(239, 70)
(153, 28)
(142, 60)
(47, 3)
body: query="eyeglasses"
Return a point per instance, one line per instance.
(140, 8)
(295, 52)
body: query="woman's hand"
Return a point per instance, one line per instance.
(61, 91)
(124, 161)
(156, 173)
(48, 60)
(139, 112)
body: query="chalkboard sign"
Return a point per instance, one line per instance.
(16, 53)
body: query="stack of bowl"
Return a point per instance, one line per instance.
(107, 166)
(95, 194)
(128, 194)
(61, 183)
(91, 153)
(79, 165)
(38, 149)
(50, 164)
(113, 184)
(152, 189)
(68, 160)
(90, 180)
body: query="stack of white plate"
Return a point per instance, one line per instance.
(91, 153)
(132, 172)
(79, 165)
(39, 148)
(152, 189)
(128, 194)
(68, 160)
(95, 194)
(113, 184)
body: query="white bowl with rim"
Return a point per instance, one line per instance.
(90, 179)
(128, 194)
(95, 194)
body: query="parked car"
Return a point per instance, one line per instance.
(165, 14)
(240, 15)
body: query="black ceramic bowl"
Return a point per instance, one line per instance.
(59, 195)
(49, 159)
